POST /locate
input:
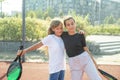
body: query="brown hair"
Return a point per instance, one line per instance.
(68, 18)
(53, 24)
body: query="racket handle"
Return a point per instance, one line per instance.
(20, 51)
(21, 47)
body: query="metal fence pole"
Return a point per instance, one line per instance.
(23, 27)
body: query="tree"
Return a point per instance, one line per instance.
(109, 20)
(31, 14)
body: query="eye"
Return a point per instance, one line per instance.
(57, 28)
(68, 25)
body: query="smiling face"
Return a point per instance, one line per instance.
(70, 25)
(58, 30)
(56, 27)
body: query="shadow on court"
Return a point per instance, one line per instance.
(39, 71)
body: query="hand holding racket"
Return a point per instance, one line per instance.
(15, 69)
(21, 52)
(105, 74)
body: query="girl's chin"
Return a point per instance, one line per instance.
(58, 34)
(72, 31)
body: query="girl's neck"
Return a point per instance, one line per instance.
(71, 33)
(57, 35)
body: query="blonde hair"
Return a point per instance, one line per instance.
(54, 23)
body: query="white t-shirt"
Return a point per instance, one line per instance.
(56, 53)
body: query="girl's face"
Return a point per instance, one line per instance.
(58, 30)
(70, 25)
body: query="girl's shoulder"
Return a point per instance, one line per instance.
(79, 34)
(49, 36)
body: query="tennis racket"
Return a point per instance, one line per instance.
(105, 74)
(15, 69)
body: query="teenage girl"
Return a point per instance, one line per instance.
(55, 49)
(79, 59)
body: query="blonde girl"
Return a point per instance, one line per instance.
(55, 49)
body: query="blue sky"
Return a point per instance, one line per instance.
(12, 5)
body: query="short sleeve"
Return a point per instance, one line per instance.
(46, 41)
(83, 41)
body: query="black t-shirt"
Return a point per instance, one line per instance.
(73, 43)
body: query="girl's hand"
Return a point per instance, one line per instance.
(21, 52)
(81, 31)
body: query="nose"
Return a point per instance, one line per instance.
(71, 26)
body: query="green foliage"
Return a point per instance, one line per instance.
(118, 21)
(31, 14)
(103, 29)
(106, 29)
(48, 13)
(18, 15)
(11, 29)
(35, 29)
(109, 20)
(60, 13)
(39, 14)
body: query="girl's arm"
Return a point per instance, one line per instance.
(34, 47)
(86, 49)
(31, 48)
